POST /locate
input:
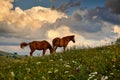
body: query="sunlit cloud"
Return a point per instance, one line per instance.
(117, 29)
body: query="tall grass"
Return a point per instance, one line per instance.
(101, 63)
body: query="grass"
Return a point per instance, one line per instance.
(101, 63)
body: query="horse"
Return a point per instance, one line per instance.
(38, 45)
(62, 42)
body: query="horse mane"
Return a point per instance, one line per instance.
(71, 36)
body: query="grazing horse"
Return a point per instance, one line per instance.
(62, 42)
(38, 45)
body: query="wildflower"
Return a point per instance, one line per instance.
(38, 63)
(51, 60)
(61, 59)
(104, 78)
(74, 62)
(113, 66)
(43, 78)
(56, 70)
(91, 76)
(94, 73)
(111, 73)
(12, 74)
(67, 65)
(71, 75)
(66, 72)
(49, 72)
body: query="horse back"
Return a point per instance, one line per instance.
(40, 44)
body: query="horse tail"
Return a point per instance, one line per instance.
(24, 44)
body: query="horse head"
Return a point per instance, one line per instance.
(51, 50)
(73, 38)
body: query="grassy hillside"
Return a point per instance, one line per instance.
(101, 63)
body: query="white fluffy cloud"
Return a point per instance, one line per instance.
(18, 22)
(5, 6)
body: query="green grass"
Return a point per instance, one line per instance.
(101, 63)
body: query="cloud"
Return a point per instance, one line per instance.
(57, 32)
(86, 26)
(117, 29)
(24, 23)
(104, 14)
(66, 5)
(113, 5)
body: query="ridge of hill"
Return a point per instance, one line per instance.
(2, 53)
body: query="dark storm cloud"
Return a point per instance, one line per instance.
(66, 5)
(104, 14)
(114, 5)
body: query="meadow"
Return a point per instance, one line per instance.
(100, 63)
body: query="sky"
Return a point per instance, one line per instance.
(93, 22)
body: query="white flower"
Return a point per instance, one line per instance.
(12, 74)
(38, 63)
(49, 72)
(56, 70)
(43, 77)
(74, 62)
(104, 78)
(94, 73)
(66, 71)
(51, 60)
(71, 75)
(61, 59)
(91, 76)
(111, 73)
(67, 65)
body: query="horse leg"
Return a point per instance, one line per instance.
(31, 52)
(44, 50)
(64, 48)
(55, 48)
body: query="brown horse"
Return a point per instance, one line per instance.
(38, 45)
(62, 42)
